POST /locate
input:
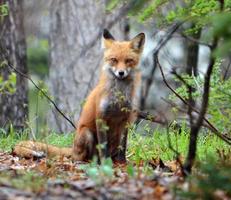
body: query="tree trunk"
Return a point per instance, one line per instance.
(13, 107)
(75, 56)
(193, 53)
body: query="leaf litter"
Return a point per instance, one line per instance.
(63, 179)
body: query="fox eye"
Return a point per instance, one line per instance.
(113, 61)
(129, 61)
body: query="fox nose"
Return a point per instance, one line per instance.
(121, 73)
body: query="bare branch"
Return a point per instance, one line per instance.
(196, 41)
(149, 117)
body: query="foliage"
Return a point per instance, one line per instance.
(4, 10)
(221, 28)
(204, 15)
(9, 139)
(59, 140)
(9, 84)
(100, 173)
(155, 144)
(219, 110)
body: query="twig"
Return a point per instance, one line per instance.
(195, 40)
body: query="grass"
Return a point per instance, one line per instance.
(8, 141)
(145, 146)
(155, 145)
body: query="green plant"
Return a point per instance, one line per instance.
(8, 85)
(9, 139)
(219, 110)
(4, 10)
(155, 144)
(102, 173)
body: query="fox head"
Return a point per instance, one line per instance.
(122, 57)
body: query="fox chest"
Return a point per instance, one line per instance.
(117, 102)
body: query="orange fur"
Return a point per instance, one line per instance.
(107, 110)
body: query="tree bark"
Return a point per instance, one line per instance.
(13, 107)
(193, 53)
(75, 57)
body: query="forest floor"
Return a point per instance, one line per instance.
(63, 179)
(151, 172)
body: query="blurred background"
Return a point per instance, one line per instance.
(58, 44)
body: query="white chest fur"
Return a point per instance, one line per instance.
(118, 99)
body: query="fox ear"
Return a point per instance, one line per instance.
(107, 35)
(137, 42)
(107, 39)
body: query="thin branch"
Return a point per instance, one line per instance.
(156, 50)
(149, 117)
(196, 41)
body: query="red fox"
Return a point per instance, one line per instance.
(102, 127)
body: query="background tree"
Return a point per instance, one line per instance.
(75, 54)
(13, 107)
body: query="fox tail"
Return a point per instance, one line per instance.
(31, 149)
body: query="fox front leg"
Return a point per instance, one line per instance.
(102, 137)
(120, 156)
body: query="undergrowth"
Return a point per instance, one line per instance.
(150, 144)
